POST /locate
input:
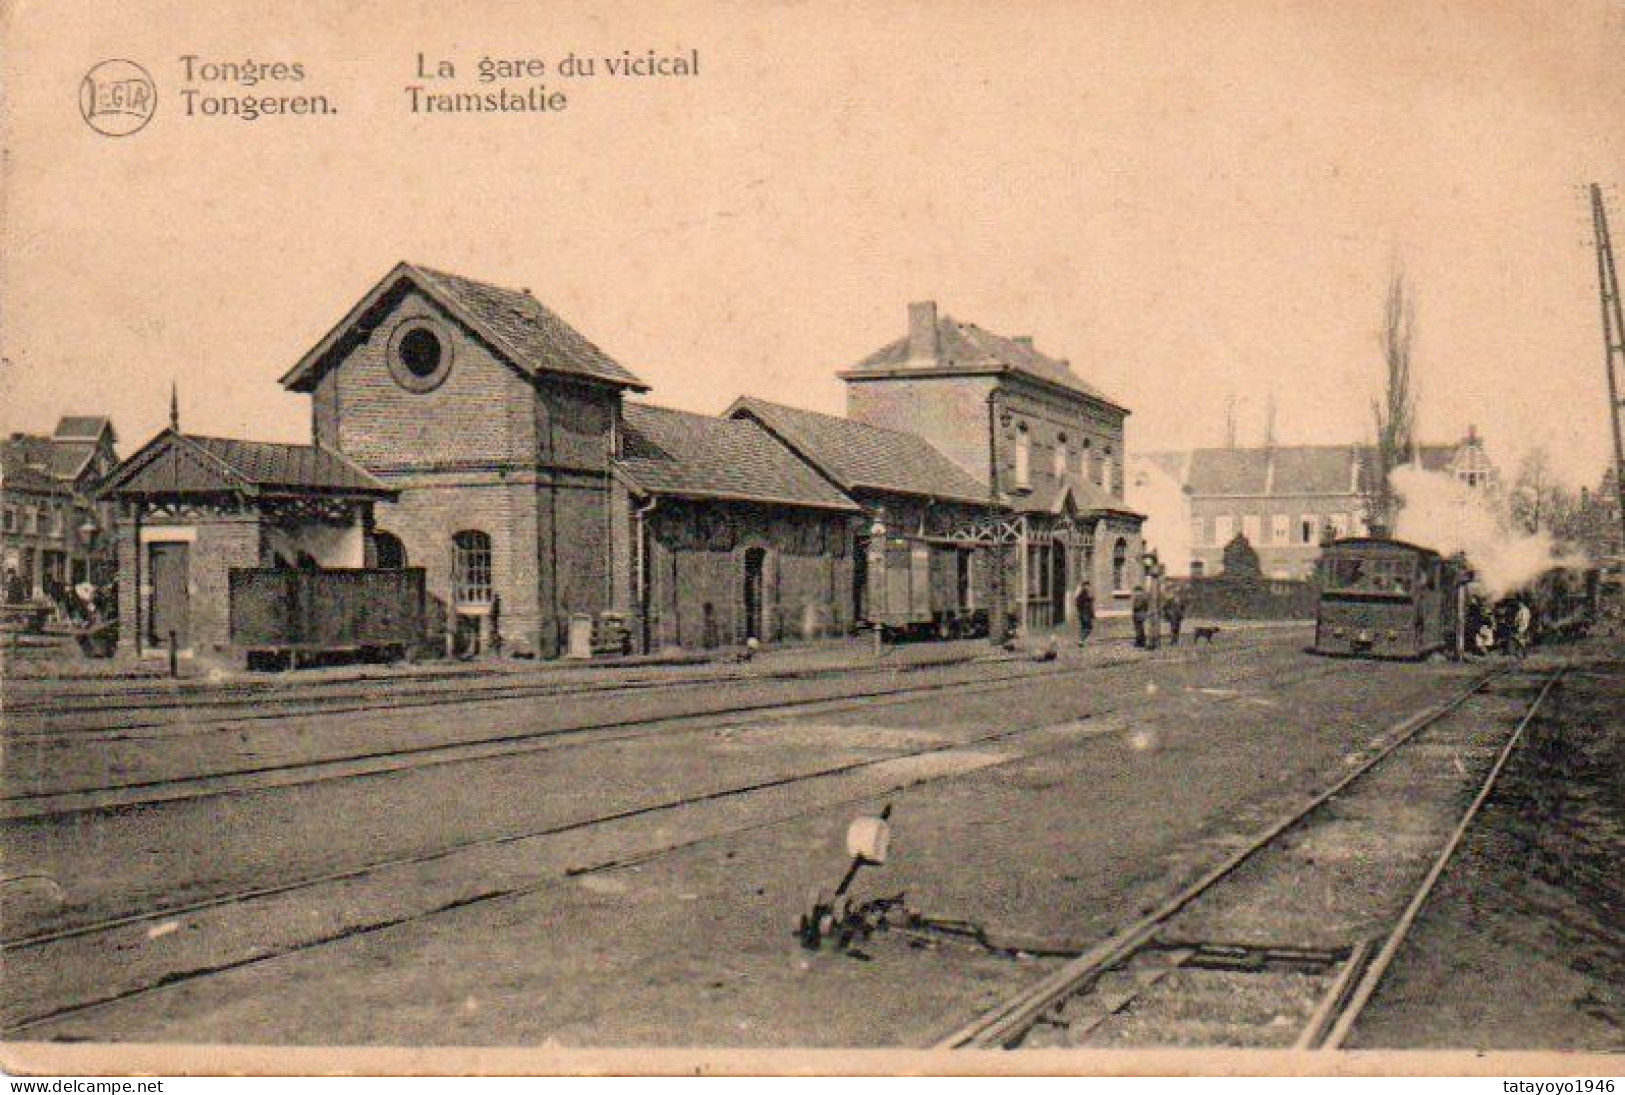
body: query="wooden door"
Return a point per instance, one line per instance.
(170, 598)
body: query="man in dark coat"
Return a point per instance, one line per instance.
(1139, 608)
(1173, 610)
(1083, 607)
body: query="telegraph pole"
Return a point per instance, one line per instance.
(1613, 338)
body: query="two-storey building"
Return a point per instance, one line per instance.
(1049, 444)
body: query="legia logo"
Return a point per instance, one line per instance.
(117, 98)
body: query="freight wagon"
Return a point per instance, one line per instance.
(923, 588)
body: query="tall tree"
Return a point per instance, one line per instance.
(1536, 500)
(1394, 414)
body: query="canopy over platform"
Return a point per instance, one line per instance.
(175, 465)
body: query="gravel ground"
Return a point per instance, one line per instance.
(1059, 835)
(1522, 945)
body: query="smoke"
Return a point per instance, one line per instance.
(1436, 511)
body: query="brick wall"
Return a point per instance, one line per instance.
(949, 412)
(697, 592)
(478, 414)
(221, 542)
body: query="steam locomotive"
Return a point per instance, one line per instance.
(1385, 598)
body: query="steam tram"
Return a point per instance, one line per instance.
(1382, 598)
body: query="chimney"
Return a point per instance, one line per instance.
(922, 331)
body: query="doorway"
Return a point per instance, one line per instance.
(171, 600)
(755, 565)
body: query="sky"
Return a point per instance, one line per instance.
(1189, 201)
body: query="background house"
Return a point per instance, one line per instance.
(53, 531)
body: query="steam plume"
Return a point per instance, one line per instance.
(1438, 512)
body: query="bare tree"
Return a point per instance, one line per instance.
(1395, 412)
(1536, 500)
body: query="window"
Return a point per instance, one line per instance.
(1198, 568)
(11, 519)
(1108, 477)
(419, 354)
(471, 568)
(1280, 524)
(390, 553)
(1223, 529)
(1060, 457)
(1308, 529)
(1250, 528)
(1339, 523)
(1024, 456)
(1120, 565)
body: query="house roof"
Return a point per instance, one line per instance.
(667, 452)
(1297, 469)
(965, 347)
(862, 457)
(515, 325)
(174, 463)
(19, 471)
(1048, 496)
(87, 428)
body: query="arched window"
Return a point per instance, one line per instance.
(388, 551)
(1024, 458)
(471, 568)
(1107, 475)
(1060, 457)
(1120, 565)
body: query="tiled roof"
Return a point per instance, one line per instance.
(81, 427)
(862, 457)
(68, 458)
(542, 341)
(698, 456)
(518, 327)
(174, 463)
(1047, 496)
(1296, 469)
(961, 345)
(19, 471)
(1230, 471)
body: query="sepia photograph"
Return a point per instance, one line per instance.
(812, 537)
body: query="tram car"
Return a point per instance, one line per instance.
(1384, 598)
(924, 589)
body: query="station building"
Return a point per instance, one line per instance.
(465, 433)
(1051, 444)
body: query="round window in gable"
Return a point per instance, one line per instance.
(419, 354)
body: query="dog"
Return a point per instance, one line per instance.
(1203, 634)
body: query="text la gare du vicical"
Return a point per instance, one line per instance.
(515, 84)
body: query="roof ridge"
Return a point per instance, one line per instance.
(842, 419)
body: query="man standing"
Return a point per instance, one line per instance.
(1173, 610)
(1083, 607)
(1139, 605)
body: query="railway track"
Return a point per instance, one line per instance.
(254, 702)
(1203, 969)
(121, 926)
(63, 801)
